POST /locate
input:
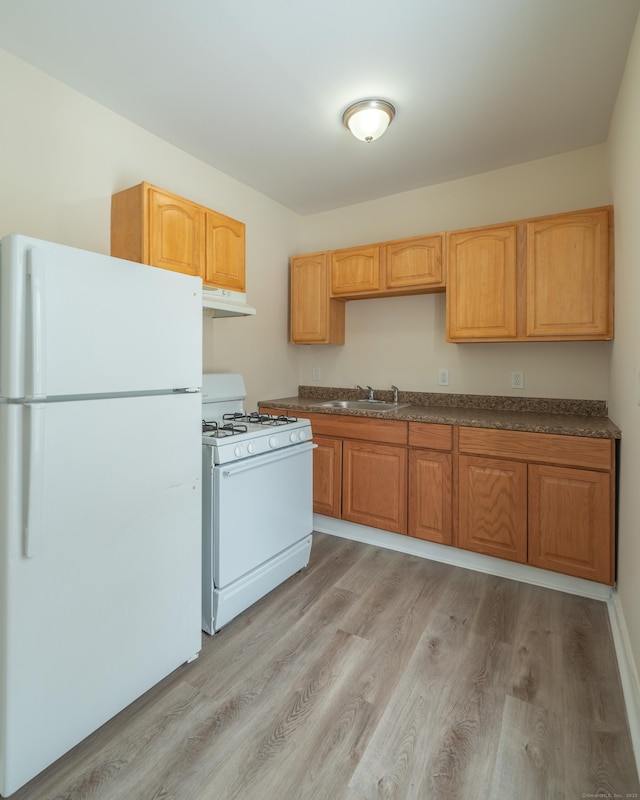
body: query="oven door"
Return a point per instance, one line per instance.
(261, 506)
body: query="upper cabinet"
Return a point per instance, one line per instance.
(400, 267)
(321, 282)
(315, 317)
(543, 279)
(153, 226)
(355, 272)
(176, 234)
(569, 276)
(225, 246)
(414, 264)
(481, 291)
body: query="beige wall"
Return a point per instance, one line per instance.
(62, 158)
(624, 149)
(402, 340)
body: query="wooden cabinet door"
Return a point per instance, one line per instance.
(430, 491)
(414, 263)
(176, 233)
(225, 252)
(355, 271)
(315, 317)
(569, 287)
(374, 485)
(327, 476)
(492, 496)
(570, 521)
(482, 284)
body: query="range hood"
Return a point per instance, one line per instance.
(225, 303)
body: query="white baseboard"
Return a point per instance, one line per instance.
(461, 558)
(628, 671)
(517, 572)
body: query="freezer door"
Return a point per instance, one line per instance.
(100, 565)
(79, 323)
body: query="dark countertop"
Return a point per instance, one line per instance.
(537, 415)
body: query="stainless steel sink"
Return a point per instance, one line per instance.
(364, 405)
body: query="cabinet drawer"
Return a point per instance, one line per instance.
(575, 451)
(432, 436)
(368, 428)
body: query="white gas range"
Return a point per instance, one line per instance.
(238, 435)
(257, 494)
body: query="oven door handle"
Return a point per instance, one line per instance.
(258, 461)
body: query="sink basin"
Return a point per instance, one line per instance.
(364, 405)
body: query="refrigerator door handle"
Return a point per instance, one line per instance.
(35, 480)
(36, 264)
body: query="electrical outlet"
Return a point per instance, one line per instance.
(517, 379)
(316, 373)
(443, 377)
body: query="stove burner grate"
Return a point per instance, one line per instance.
(220, 431)
(256, 418)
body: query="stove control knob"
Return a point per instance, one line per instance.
(293, 436)
(237, 451)
(273, 442)
(302, 435)
(251, 448)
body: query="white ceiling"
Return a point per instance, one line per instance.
(256, 88)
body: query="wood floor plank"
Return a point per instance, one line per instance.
(461, 756)
(599, 754)
(528, 763)
(434, 723)
(260, 756)
(496, 611)
(374, 674)
(304, 755)
(537, 655)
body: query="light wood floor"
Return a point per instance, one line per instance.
(373, 674)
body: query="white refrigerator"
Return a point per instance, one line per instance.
(100, 492)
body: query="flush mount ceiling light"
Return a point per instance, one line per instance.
(368, 119)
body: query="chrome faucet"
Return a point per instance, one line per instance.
(368, 390)
(395, 394)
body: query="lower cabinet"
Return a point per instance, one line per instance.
(374, 485)
(430, 496)
(327, 476)
(430, 490)
(541, 499)
(492, 507)
(359, 469)
(570, 521)
(556, 515)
